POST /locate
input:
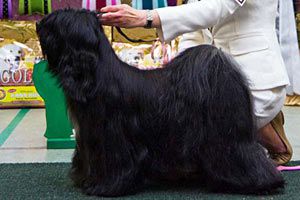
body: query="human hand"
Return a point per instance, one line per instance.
(123, 16)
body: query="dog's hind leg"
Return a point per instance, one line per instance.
(232, 161)
(226, 144)
(238, 168)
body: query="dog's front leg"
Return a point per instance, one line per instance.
(113, 160)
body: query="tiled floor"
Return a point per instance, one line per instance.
(27, 143)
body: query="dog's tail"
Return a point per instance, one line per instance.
(227, 147)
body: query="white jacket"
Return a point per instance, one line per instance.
(243, 28)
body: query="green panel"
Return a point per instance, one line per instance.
(58, 124)
(61, 143)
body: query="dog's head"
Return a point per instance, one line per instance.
(70, 41)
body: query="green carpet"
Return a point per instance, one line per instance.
(50, 181)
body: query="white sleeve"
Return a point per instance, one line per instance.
(194, 16)
(190, 40)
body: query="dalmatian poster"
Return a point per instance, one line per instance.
(19, 51)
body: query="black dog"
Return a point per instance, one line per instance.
(190, 120)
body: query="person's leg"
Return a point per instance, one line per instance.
(270, 139)
(269, 119)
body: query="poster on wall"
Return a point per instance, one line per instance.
(19, 51)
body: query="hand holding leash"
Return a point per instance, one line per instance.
(127, 17)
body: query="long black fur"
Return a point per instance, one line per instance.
(190, 120)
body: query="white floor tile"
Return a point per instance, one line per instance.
(6, 116)
(30, 131)
(292, 128)
(35, 155)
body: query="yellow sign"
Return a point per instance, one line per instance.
(15, 96)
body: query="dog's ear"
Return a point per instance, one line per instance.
(78, 74)
(70, 39)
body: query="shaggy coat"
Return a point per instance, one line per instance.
(191, 120)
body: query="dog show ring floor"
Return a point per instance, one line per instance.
(28, 170)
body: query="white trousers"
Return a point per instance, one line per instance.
(267, 104)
